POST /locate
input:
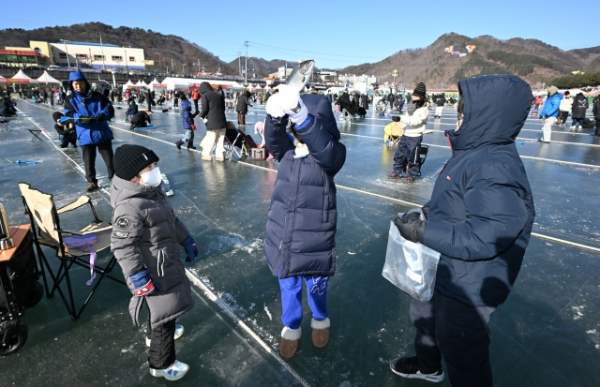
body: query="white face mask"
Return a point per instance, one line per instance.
(151, 178)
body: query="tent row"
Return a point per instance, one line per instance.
(23, 79)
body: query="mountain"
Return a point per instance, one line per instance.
(259, 66)
(166, 50)
(447, 60)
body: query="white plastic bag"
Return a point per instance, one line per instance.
(410, 266)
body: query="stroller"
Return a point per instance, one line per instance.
(238, 143)
(421, 155)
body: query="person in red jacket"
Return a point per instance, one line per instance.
(195, 97)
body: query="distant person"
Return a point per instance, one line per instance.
(479, 218)
(301, 223)
(596, 111)
(579, 108)
(132, 109)
(406, 165)
(90, 111)
(440, 101)
(147, 240)
(537, 103)
(195, 98)
(187, 120)
(550, 113)
(7, 106)
(213, 112)
(243, 102)
(140, 119)
(565, 107)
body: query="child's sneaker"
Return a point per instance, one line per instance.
(179, 329)
(174, 372)
(408, 367)
(320, 332)
(288, 345)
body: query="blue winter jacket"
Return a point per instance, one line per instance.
(551, 106)
(91, 104)
(187, 118)
(302, 218)
(481, 210)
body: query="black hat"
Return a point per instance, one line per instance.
(131, 159)
(420, 90)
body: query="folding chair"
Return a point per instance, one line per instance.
(71, 246)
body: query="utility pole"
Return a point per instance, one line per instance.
(246, 64)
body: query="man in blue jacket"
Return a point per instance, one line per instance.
(90, 112)
(302, 220)
(479, 218)
(550, 112)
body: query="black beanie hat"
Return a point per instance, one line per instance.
(420, 90)
(131, 159)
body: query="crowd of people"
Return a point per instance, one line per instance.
(479, 217)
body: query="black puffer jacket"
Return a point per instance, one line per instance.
(580, 106)
(481, 210)
(213, 107)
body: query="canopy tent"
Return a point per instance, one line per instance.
(21, 78)
(47, 78)
(185, 83)
(141, 83)
(129, 83)
(155, 84)
(2, 79)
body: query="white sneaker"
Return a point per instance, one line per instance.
(179, 329)
(174, 372)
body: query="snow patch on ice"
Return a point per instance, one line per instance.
(266, 309)
(578, 311)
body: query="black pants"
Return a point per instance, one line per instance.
(68, 138)
(405, 156)
(241, 118)
(195, 105)
(457, 332)
(162, 347)
(597, 132)
(89, 159)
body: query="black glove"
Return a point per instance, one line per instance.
(410, 225)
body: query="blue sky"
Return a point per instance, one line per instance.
(335, 33)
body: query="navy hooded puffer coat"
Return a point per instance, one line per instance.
(302, 218)
(481, 210)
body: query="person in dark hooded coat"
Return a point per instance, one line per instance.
(242, 106)
(302, 220)
(479, 218)
(213, 114)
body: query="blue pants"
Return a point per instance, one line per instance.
(291, 299)
(405, 157)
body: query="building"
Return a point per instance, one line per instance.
(20, 57)
(96, 55)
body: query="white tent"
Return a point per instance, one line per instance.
(2, 79)
(155, 84)
(20, 77)
(47, 78)
(129, 83)
(141, 83)
(186, 83)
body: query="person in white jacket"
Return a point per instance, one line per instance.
(406, 164)
(566, 104)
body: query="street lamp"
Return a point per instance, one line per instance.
(394, 75)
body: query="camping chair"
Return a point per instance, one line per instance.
(71, 246)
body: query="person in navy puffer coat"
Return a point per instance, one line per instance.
(90, 111)
(479, 218)
(301, 225)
